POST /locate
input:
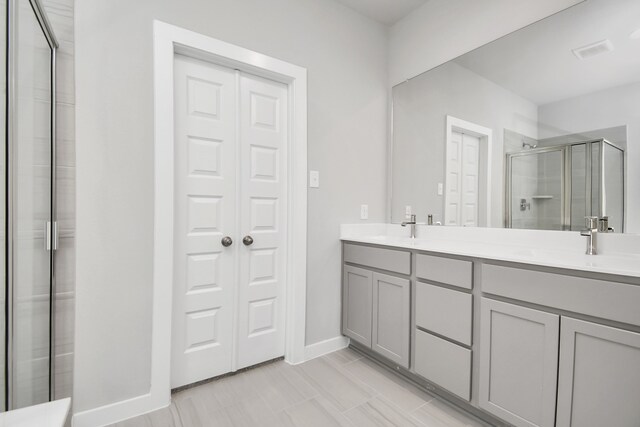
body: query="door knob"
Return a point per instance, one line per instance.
(248, 240)
(226, 241)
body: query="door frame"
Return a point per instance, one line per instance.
(454, 124)
(169, 40)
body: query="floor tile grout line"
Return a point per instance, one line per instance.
(402, 411)
(349, 376)
(381, 393)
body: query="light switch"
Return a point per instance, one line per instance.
(314, 179)
(407, 211)
(364, 211)
(440, 189)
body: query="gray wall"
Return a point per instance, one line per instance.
(604, 109)
(420, 107)
(345, 55)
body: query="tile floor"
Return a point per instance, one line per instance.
(339, 389)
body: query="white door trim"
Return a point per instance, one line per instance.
(486, 149)
(168, 40)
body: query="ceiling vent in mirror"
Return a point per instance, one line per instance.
(593, 49)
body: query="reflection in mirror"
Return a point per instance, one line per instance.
(535, 130)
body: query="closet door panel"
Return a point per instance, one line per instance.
(263, 138)
(205, 212)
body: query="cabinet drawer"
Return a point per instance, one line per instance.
(453, 272)
(444, 311)
(445, 364)
(384, 259)
(599, 298)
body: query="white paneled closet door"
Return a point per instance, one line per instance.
(205, 212)
(230, 180)
(263, 140)
(470, 178)
(463, 157)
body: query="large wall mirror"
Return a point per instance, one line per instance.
(535, 130)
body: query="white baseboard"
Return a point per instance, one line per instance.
(116, 412)
(119, 411)
(323, 347)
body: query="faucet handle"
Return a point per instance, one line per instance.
(591, 222)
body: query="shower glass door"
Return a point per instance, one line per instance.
(536, 189)
(30, 207)
(3, 197)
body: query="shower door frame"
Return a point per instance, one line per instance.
(565, 207)
(51, 229)
(567, 185)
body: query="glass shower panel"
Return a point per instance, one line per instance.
(31, 210)
(524, 176)
(3, 196)
(595, 179)
(548, 198)
(613, 190)
(578, 186)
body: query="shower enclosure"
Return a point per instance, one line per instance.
(554, 188)
(29, 234)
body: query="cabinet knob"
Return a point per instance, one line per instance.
(248, 240)
(226, 241)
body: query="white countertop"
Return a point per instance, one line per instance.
(559, 250)
(50, 414)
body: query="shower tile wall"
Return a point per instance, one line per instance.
(60, 13)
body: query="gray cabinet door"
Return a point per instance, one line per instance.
(518, 363)
(357, 301)
(391, 307)
(599, 381)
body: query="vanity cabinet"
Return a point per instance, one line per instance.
(376, 305)
(518, 363)
(599, 368)
(547, 346)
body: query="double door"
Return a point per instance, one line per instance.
(229, 209)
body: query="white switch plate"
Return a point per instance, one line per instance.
(314, 179)
(440, 189)
(407, 210)
(364, 211)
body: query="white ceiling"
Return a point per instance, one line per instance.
(537, 62)
(386, 12)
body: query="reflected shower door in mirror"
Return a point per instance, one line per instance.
(560, 100)
(536, 189)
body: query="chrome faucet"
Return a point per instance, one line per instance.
(412, 223)
(591, 223)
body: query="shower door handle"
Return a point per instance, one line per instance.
(47, 236)
(51, 236)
